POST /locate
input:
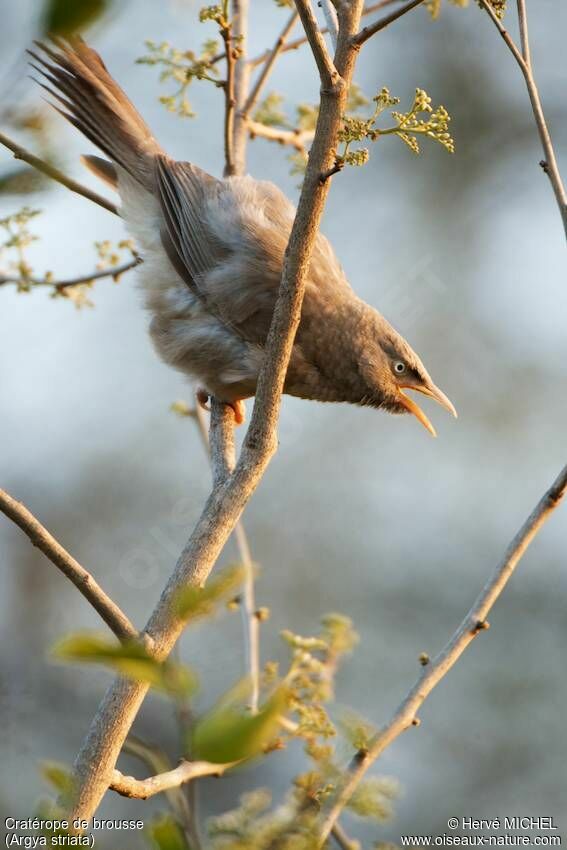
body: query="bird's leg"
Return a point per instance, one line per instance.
(238, 406)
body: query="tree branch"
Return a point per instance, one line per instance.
(298, 42)
(83, 580)
(523, 59)
(50, 171)
(330, 15)
(251, 622)
(229, 99)
(473, 623)
(268, 66)
(372, 29)
(221, 442)
(96, 760)
(114, 272)
(141, 789)
(241, 83)
(294, 138)
(327, 70)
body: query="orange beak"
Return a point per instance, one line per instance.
(433, 392)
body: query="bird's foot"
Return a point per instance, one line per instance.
(238, 407)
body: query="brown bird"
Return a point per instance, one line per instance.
(213, 254)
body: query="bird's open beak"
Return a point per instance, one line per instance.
(433, 392)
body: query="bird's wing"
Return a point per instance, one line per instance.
(181, 189)
(227, 240)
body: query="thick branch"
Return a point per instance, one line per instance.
(49, 170)
(523, 59)
(294, 138)
(83, 580)
(372, 29)
(141, 789)
(327, 70)
(473, 623)
(113, 272)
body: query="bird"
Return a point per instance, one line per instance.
(213, 252)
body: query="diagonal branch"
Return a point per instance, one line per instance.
(299, 42)
(327, 70)
(141, 789)
(471, 626)
(294, 138)
(549, 164)
(83, 580)
(113, 272)
(268, 66)
(50, 171)
(372, 29)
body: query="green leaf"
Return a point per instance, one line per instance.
(230, 733)
(130, 659)
(21, 180)
(63, 17)
(194, 602)
(58, 775)
(166, 834)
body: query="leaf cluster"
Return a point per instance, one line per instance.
(434, 6)
(182, 67)
(420, 119)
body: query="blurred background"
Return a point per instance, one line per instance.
(359, 512)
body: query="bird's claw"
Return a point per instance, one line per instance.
(238, 407)
(202, 397)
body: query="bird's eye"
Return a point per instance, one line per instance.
(400, 367)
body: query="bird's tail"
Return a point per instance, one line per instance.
(93, 102)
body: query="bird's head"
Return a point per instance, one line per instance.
(390, 367)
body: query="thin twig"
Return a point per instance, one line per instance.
(474, 622)
(524, 35)
(294, 138)
(249, 616)
(141, 789)
(251, 622)
(342, 839)
(241, 82)
(229, 99)
(330, 15)
(268, 66)
(83, 580)
(114, 272)
(384, 22)
(325, 64)
(298, 42)
(157, 761)
(50, 171)
(522, 57)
